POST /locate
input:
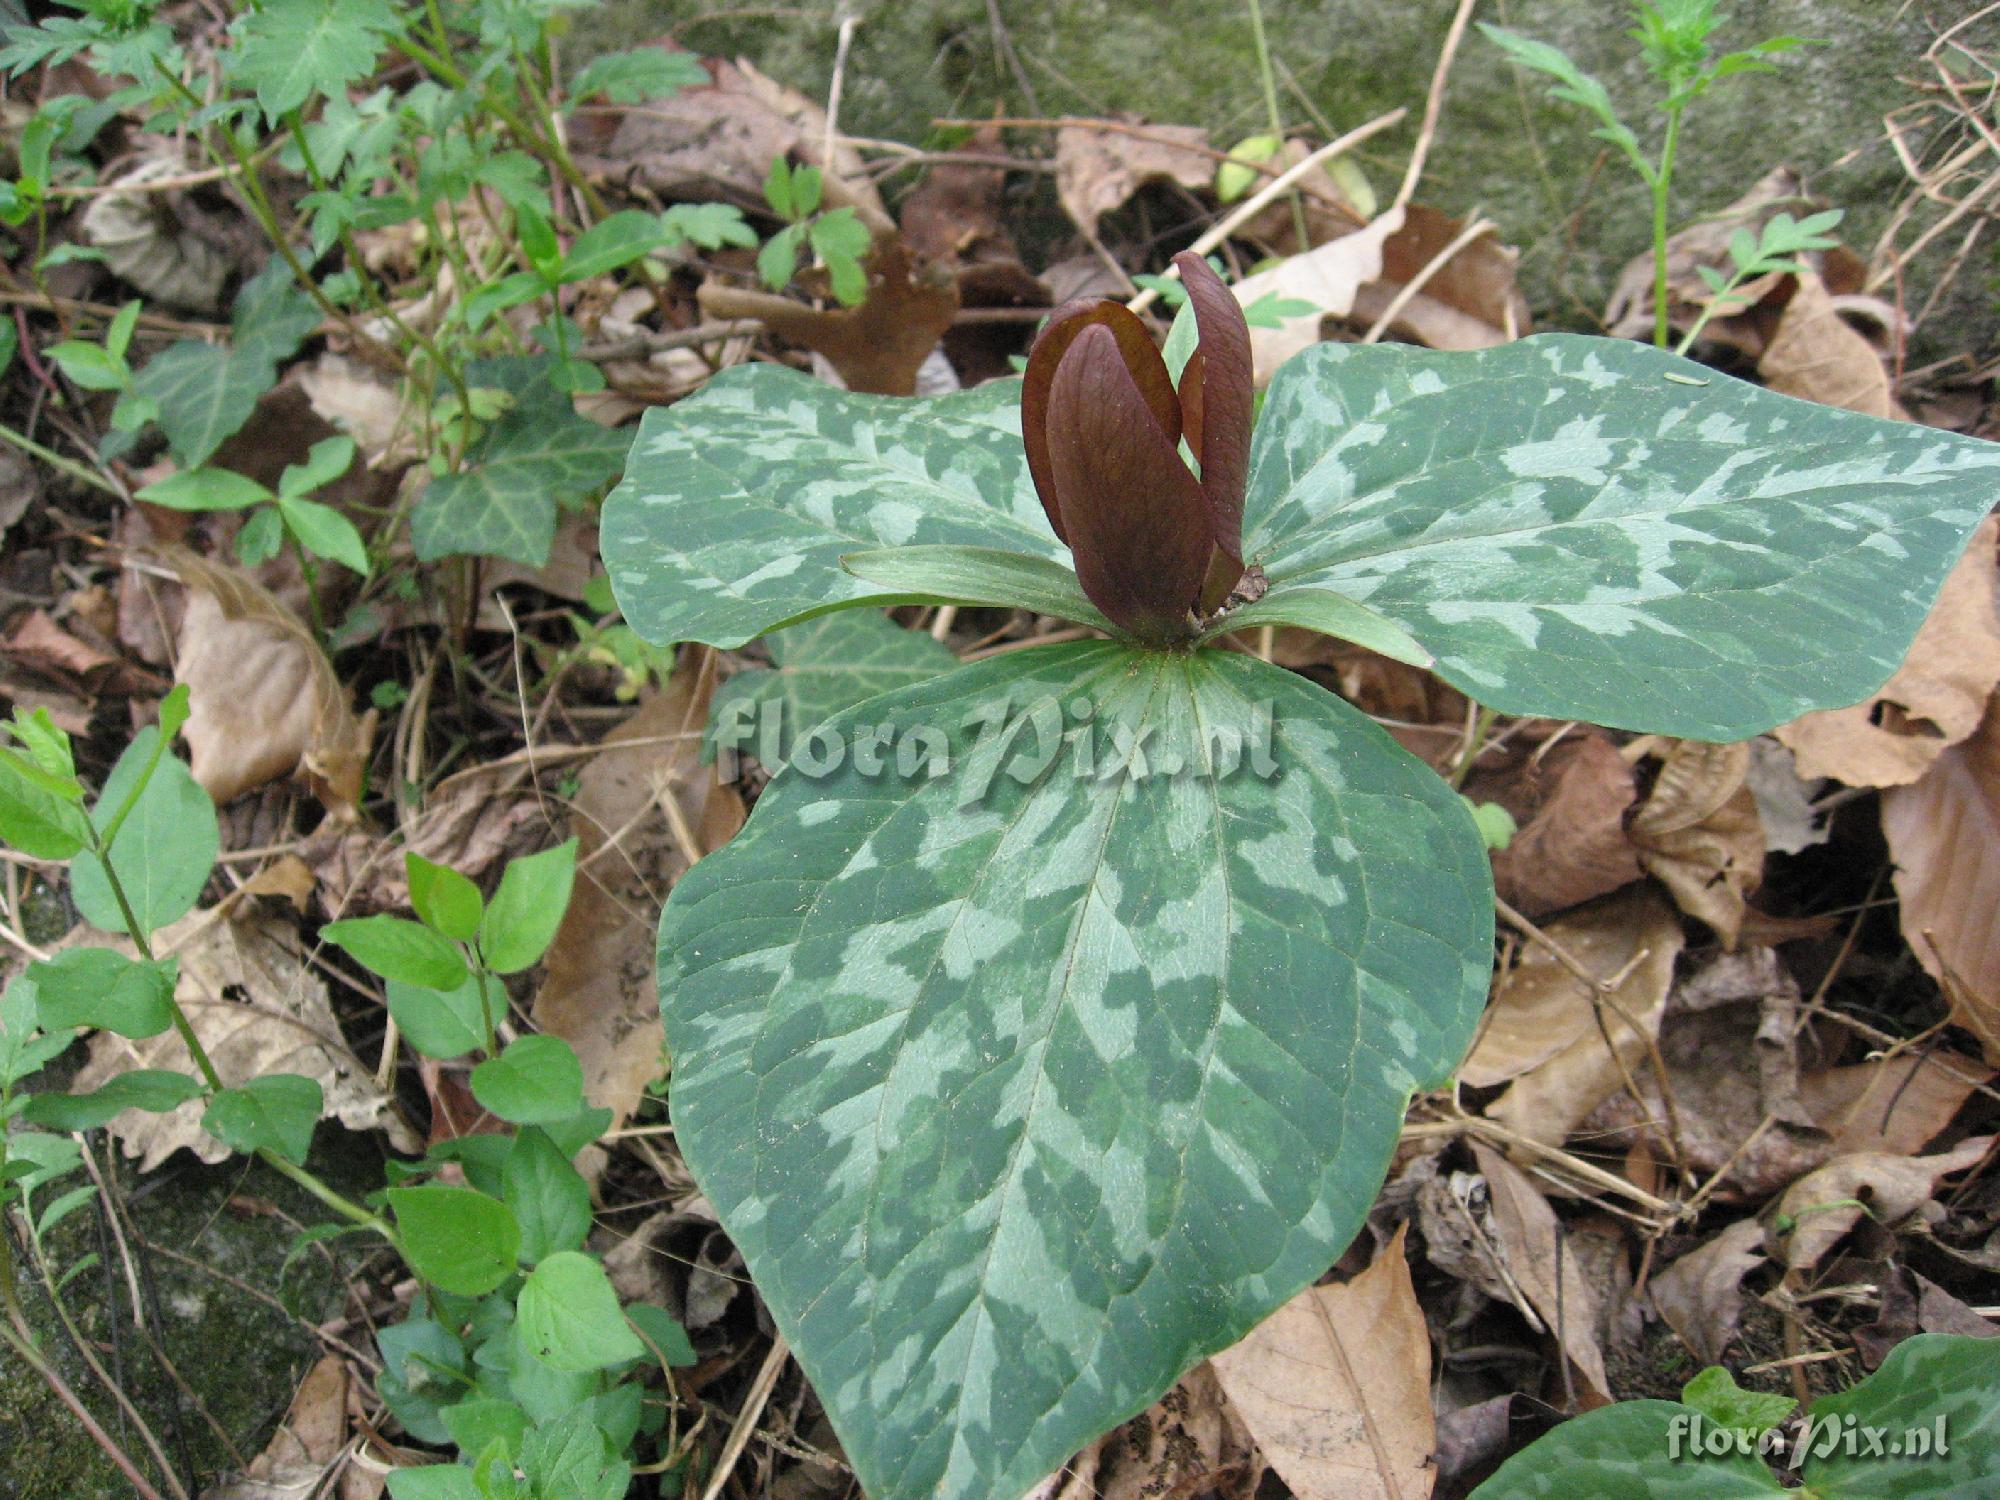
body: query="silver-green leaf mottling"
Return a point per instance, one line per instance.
(1022, 1090)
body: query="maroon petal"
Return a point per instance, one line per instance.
(1141, 359)
(1138, 526)
(1217, 395)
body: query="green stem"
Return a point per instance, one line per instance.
(1475, 741)
(1662, 179)
(1277, 120)
(55, 460)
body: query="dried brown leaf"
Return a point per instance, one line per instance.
(1099, 170)
(1944, 835)
(1467, 302)
(1698, 833)
(1335, 1386)
(1569, 808)
(264, 701)
(1817, 355)
(1701, 1295)
(1818, 1210)
(598, 993)
(1936, 698)
(307, 1444)
(1891, 1104)
(1543, 1028)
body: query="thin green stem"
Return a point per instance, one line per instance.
(1662, 180)
(1475, 741)
(55, 460)
(1277, 120)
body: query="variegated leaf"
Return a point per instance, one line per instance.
(738, 503)
(1590, 528)
(827, 664)
(1026, 1085)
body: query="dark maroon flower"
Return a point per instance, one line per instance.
(1155, 547)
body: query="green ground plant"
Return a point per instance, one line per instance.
(1674, 38)
(1056, 1023)
(517, 1351)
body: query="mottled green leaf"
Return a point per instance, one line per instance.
(1590, 528)
(538, 456)
(165, 847)
(1931, 1387)
(1022, 1090)
(1330, 614)
(817, 669)
(738, 503)
(979, 576)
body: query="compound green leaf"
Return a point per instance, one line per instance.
(568, 1315)
(164, 850)
(1635, 1450)
(738, 503)
(1590, 528)
(273, 1113)
(536, 457)
(1926, 1426)
(1031, 1076)
(829, 663)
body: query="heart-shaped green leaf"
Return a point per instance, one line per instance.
(738, 503)
(1592, 529)
(1025, 1081)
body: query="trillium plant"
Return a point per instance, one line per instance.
(1028, 1070)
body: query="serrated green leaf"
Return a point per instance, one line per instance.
(708, 225)
(571, 1457)
(636, 76)
(538, 456)
(527, 908)
(1632, 1450)
(1022, 1091)
(98, 987)
(568, 1315)
(1716, 1395)
(165, 847)
(154, 1090)
(457, 1239)
(738, 503)
(477, 1424)
(537, 1080)
(276, 1112)
(399, 949)
(288, 51)
(1593, 529)
(818, 669)
(778, 260)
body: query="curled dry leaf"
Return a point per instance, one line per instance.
(1891, 1104)
(1818, 1210)
(264, 701)
(1530, 1241)
(1545, 1029)
(472, 822)
(638, 806)
(308, 1443)
(1816, 354)
(1944, 835)
(1099, 170)
(1335, 1386)
(1701, 1295)
(1329, 277)
(151, 240)
(1937, 697)
(1698, 834)
(1913, 1304)
(258, 1008)
(1784, 799)
(1569, 809)
(1469, 301)
(356, 400)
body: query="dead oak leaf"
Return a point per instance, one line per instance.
(1699, 835)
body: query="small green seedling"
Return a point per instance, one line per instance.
(315, 528)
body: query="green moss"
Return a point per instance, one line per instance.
(1501, 146)
(241, 1355)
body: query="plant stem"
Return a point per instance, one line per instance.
(1475, 741)
(14, 1336)
(1662, 179)
(1277, 120)
(56, 461)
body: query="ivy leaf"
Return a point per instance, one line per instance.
(538, 456)
(1082, 1074)
(1583, 528)
(817, 669)
(738, 503)
(290, 50)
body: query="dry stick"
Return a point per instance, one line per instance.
(1433, 103)
(17, 1337)
(847, 25)
(1250, 207)
(1407, 293)
(746, 1419)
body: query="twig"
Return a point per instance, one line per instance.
(1407, 293)
(746, 1419)
(1433, 103)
